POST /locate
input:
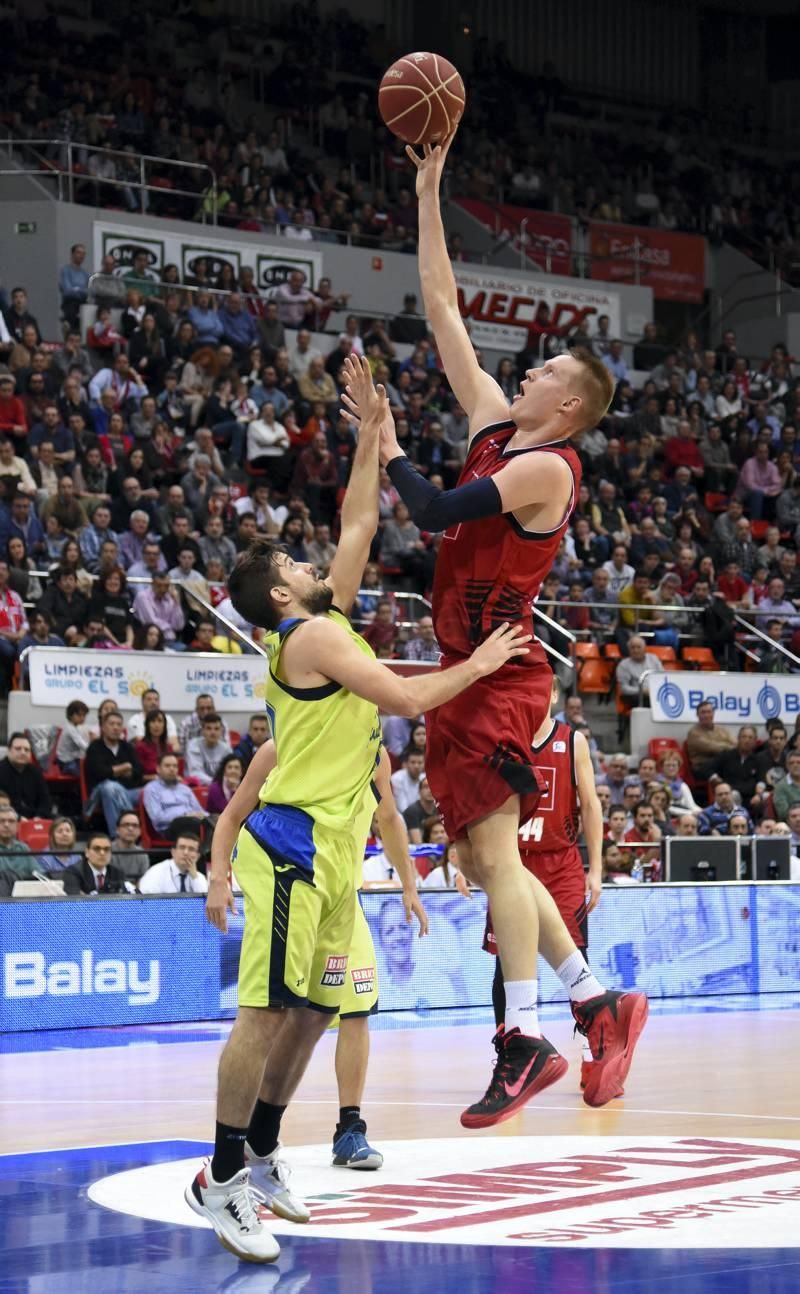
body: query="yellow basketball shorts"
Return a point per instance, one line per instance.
(298, 919)
(361, 984)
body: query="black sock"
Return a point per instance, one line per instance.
(265, 1127)
(498, 994)
(228, 1157)
(348, 1115)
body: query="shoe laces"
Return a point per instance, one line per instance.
(500, 1072)
(244, 1202)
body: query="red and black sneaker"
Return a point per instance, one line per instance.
(524, 1067)
(586, 1069)
(612, 1024)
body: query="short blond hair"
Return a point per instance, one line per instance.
(597, 388)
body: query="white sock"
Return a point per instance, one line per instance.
(586, 1051)
(577, 978)
(522, 1011)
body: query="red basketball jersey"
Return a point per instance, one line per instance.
(491, 570)
(553, 827)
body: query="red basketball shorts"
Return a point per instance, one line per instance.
(478, 746)
(561, 873)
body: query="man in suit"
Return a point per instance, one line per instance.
(96, 874)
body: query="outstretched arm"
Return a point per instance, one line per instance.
(395, 843)
(522, 484)
(360, 507)
(220, 900)
(477, 392)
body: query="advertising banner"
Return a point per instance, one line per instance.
(500, 306)
(547, 237)
(75, 963)
(59, 675)
(272, 262)
(739, 698)
(673, 265)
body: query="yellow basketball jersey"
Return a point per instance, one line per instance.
(327, 740)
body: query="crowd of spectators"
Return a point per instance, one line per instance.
(140, 454)
(137, 474)
(132, 771)
(298, 146)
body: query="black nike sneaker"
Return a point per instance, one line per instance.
(524, 1066)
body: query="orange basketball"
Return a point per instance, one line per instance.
(421, 98)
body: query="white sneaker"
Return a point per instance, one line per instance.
(232, 1209)
(270, 1177)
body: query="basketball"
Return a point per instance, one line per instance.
(421, 98)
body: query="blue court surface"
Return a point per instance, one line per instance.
(54, 1240)
(708, 1214)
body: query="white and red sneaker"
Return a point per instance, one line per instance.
(232, 1209)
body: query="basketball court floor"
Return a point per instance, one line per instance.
(689, 1183)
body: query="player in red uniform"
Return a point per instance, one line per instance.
(503, 524)
(549, 850)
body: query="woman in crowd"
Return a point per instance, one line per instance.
(72, 560)
(659, 801)
(226, 780)
(446, 874)
(110, 603)
(153, 744)
(148, 638)
(20, 566)
(681, 799)
(62, 852)
(148, 352)
(416, 742)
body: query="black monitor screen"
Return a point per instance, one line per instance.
(768, 858)
(702, 858)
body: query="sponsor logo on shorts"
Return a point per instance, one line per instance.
(566, 1192)
(363, 979)
(334, 973)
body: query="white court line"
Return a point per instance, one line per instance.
(415, 1105)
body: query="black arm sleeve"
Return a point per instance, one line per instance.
(435, 509)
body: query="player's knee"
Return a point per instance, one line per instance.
(485, 865)
(307, 1022)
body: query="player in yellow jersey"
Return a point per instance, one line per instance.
(351, 1149)
(293, 855)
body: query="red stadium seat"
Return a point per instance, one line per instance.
(665, 654)
(150, 838)
(715, 502)
(594, 675)
(657, 746)
(35, 833)
(200, 791)
(55, 778)
(701, 658)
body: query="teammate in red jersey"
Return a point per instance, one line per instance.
(503, 524)
(549, 850)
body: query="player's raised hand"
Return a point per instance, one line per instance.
(366, 403)
(431, 164)
(503, 645)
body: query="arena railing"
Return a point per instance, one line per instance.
(63, 162)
